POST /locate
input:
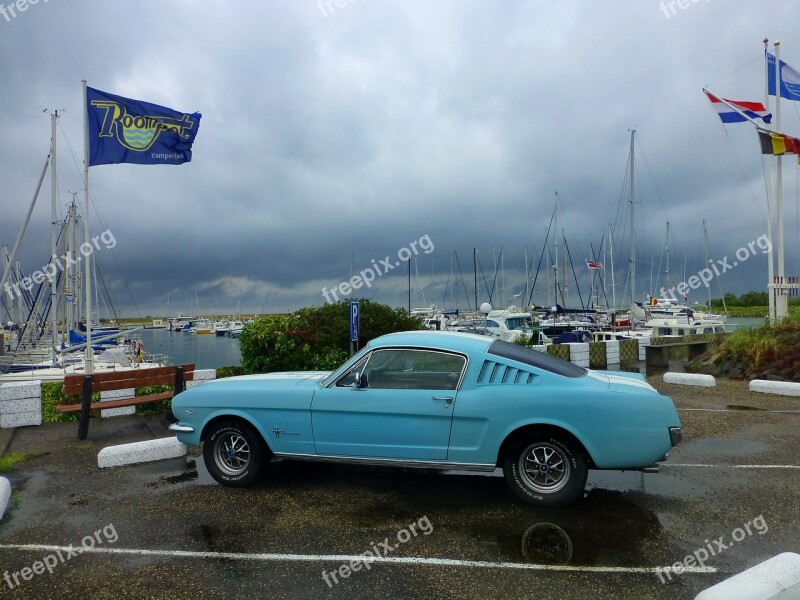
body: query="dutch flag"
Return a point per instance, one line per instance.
(754, 110)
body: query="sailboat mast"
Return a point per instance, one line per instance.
(666, 245)
(633, 230)
(611, 256)
(53, 220)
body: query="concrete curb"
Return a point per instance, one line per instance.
(690, 379)
(782, 388)
(777, 577)
(5, 495)
(140, 452)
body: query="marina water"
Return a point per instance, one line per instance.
(205, 351)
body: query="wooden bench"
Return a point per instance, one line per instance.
(86, 385)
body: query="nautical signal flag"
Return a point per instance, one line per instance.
(754, 110)
(590, 264)
(122, 130)
(790, 79)
(776, 143)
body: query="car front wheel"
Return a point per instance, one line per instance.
(545, 471)
(233, 453)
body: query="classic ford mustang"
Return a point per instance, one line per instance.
(436, 400)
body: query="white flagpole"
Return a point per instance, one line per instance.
(87, 273)
(770, 255)
(781, 300)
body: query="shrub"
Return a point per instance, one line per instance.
(316, 338)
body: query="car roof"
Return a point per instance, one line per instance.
(443, 340)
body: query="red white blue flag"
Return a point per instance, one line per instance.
(754, 110)
(593, 265)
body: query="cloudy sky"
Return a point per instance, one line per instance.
(334, 134)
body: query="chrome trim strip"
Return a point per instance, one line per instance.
(414, 464)
(178, 428)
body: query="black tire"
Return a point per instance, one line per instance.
(545, 470)
(234, 453)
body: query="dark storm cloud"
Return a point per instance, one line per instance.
(329, 141)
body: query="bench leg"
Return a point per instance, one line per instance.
(86, 408)
(178, 387)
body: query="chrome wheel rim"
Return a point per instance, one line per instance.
(544, 467)
(231, 453)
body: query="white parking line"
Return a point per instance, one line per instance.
(756, 410)
(346, 558)
(702, 465)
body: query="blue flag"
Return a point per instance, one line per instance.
(790, 79)
(122, 130)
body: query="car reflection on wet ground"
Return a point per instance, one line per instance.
(183, 536)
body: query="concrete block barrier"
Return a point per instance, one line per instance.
(774, 579)
(782, 388)
(20, 404)
(5, 495)
(140, 452)
(690, 379)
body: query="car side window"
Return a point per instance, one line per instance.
(412, 369)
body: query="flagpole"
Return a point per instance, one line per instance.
(770, 255)
(87, 273)
(781, 301)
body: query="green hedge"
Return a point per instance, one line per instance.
(316, 338)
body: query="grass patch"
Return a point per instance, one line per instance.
(8, 461)
(755, 347)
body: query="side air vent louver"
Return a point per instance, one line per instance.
(494, 372)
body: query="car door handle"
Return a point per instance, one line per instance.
(446, 399)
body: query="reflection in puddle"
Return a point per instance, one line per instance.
(605, 528)
(546, 544)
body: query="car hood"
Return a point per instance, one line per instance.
(282, 379)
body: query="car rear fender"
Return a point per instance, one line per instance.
(543, 428)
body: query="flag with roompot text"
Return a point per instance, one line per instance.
(123, 130)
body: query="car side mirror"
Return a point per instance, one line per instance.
(361, 381)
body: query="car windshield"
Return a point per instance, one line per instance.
(347, 365)
(534, 358)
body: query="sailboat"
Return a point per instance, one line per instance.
(43, 350)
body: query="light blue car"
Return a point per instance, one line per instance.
(436, 400)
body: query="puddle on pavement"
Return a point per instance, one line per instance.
(179, 471)
(659, 484)
(605, 528)
(723, 446)
(760, 409)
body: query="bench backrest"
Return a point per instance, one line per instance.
(122, 380)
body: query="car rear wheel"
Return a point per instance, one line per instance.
(545, 470)
(233, 453)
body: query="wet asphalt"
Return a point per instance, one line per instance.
(276, 539)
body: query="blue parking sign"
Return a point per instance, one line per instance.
(355, 319)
